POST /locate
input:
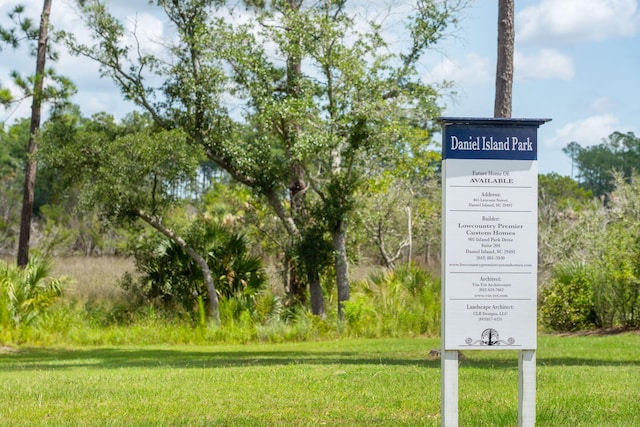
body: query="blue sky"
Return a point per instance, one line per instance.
(577, 63)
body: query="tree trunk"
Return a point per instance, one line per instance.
(388, 260)
(504, 66)
(339, 235)
(297, 182)
(315, 289)
(293, 284)
(32, 146)
(208, 280)
(427, 253)
(409, 234)
(199, 259)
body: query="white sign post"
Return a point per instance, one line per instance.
(489, 249)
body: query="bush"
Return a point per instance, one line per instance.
(567, 302)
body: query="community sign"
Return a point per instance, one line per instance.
(490, 223)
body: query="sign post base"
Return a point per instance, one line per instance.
(449, 366)
(526, 388)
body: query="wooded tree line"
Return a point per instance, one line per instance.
(78, 213)
(319, 131)
(596, 165)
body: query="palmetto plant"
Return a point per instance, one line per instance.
(171, 277)
(26, 293)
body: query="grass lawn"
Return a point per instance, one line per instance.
(582, 381)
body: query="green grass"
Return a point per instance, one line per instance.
(582, 381)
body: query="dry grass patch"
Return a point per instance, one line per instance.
(93, 278)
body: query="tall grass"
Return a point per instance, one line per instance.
(96, 311)
(93, 278)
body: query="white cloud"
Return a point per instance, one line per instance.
(473, 70)
(577, 20)
(587, 132)
(545, 64)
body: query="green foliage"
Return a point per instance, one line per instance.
(170, 276)
(55, 231)
(104, 173)
(12, 147)
(617, 278)
(121, 169)
(567, 303)
(561, 191)
(395, 302)
(13, 140)
(26, 294)
(616, 256)
(297, 103)
(13, 154)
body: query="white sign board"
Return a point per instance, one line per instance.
(490, 216)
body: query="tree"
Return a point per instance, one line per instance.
(504, 68)
(399, 206)
(314, 102)
(32, 147)
(12, 158)
(572, 150)
(129, 172)
(561, 191)
(385, 219)
(35, 88)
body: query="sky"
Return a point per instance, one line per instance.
(576, 62)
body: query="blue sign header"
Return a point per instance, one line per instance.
(503, 139)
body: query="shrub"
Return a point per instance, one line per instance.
(567, 302)
(616, 282)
